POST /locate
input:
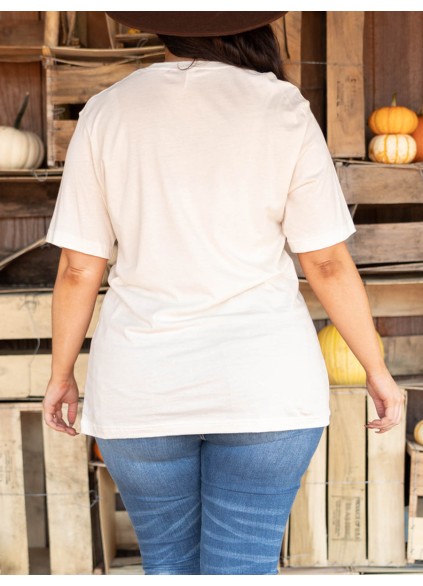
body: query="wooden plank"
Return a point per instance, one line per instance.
(308, 531)
(386, 298)
(404, 354)
(372, 183)
(125, 534)
(384, 243)
(23, 375)
(28, 197)
(21, 34)
(289, 28)
(345, 84)
(13, 534)
(20, 78)
(347, 477)
(68, 502)
(34, 480)
(59, 134)
(29, 315)
(391, 70)
(385, 493)
(415, 540)
(106, 495)
(75, 85)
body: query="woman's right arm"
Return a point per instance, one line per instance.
(334, 278)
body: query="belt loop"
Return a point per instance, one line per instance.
(202, 436)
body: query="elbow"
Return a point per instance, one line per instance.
(329, 268)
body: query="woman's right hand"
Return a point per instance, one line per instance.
(388, 400)
(60, 391)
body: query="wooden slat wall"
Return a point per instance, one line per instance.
(345, 89)
(393, 59)
(13, 534)
(309, 548)
(19, 78)
(346, 478)
(386, 463)
(68, 502)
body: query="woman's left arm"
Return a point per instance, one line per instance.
(78, 280)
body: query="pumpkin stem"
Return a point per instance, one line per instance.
(394, 99)
(21, 112)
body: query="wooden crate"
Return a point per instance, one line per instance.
(43, 475)
(26, 319)
(72, 76)
(386, 202)
(27, 316)
(116, 530)
(349, 510)
(415, 511)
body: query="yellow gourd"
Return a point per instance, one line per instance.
(342, 365)
(418, 432)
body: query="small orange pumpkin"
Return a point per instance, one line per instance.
(418, 136)
(392, 148)
(96, 452)
(393, 119)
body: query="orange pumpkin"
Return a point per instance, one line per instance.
(96, 452)
(418, 137)
(393, 119)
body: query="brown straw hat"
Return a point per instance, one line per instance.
(195, 24)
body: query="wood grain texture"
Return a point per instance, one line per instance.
(29, 316)
(24, 376)
(385, 493)
(13, 531)
(404, 354)
(291, 49)
(381, 184)
(346, 477)
(28, 197)
(107, 515)
(34, 479)
(384, 243)
(68, 502)
(393, 59)
(345, 85)
(20, 78)
(386, 298)
(307, 523)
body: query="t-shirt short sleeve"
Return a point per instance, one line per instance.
(80, 219)
(316, 214)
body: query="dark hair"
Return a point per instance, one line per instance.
(257, 49)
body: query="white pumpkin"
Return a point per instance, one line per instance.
(19, 149)
(392, 148)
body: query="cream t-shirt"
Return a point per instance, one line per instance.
(201, 173)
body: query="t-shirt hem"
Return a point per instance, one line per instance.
(322, 242)
(226, 426)
(64, 240)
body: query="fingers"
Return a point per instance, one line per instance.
(392, 418)
(54, 418)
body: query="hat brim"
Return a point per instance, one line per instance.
(195, 24)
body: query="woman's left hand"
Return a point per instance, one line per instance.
(59, 392)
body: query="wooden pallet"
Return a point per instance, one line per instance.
(415, 513)
(116, 530)
(75, 75)
(43, 475)
(349, 510)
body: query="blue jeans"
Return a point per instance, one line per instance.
(213, 504)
